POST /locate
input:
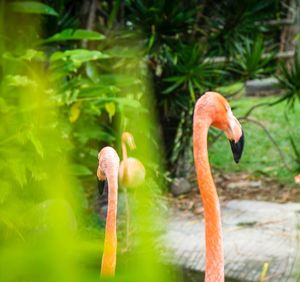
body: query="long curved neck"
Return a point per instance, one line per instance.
(125, 158)
(110, 242)
(214, 256)
(124, 151)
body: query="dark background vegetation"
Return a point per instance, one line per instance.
(188, 47)
(75, 74)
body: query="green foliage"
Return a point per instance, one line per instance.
(94, 93)
(67, 91)
(77, 57)
(181, 38)
(60, 103)
(162, 21)
(39, 212)
(249, 61)
(190, 71)
(289, 81)
(91, 88)
(296, 153)
(230, 22)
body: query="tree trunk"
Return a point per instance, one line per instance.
(287, 42)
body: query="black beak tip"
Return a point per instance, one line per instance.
(237, 148)
(102, 185)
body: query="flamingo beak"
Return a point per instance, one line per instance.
(237, 148)
(235, 135)
(102, 186)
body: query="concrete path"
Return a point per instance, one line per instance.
(255, 233)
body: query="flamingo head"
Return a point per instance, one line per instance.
(218, 110)
(102, 182)
(108, 165)
(128, 139)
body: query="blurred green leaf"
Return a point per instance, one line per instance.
(231, 88)
(131, 103)
(92, 72)
(20, 81)
(79, 56)
(4, 191)
(99, 90)
(191, 90)
(75, 34)
(32, 7)
(174, 86)
(28, 55)
(4, 107)
(93, 132)
(18, 169)
(74, 112)
(36, 143)
(81, 170)
(111, 109)
(151, 41)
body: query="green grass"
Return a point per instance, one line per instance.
(260, 155)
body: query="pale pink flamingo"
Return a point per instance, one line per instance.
(108, 169)
(131, 175)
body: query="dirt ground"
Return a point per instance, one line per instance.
(240, 186)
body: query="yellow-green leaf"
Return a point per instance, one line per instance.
(74, 112)
(111, 109)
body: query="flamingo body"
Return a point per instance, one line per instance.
(212, 109)
(132, 172)
(131, 175)
(134, 176)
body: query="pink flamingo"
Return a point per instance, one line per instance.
(108, 169)
(132, 172)
(212, 109)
